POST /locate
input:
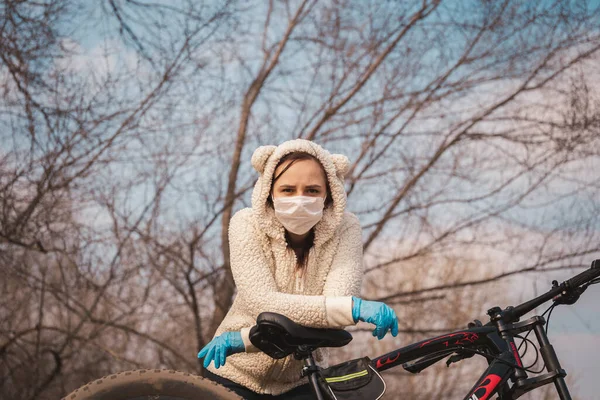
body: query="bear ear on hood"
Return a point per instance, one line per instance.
(260, 157)
(342, 164)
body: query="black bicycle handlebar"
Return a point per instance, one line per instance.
(513, 314)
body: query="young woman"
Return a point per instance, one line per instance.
(296, 252)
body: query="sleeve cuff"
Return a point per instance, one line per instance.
(339, 311)
(249, 347)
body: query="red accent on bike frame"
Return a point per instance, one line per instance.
(516, 354)
(463, 338)
(487, 386)
(389, 360)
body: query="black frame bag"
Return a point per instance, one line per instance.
(354, 379)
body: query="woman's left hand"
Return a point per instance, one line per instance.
(379, 314)
(220, 347)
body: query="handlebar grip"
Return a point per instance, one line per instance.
(585, 276)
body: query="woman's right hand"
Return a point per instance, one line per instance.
(220, 347)
(376, 313)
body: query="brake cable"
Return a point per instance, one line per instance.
(537, 355)
(531, 330)
(549, 315)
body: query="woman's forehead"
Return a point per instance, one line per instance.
(301, 171)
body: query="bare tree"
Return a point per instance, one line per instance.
(76, 300)
(129, 126)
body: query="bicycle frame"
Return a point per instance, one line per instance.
(497, 340)
(480, 337)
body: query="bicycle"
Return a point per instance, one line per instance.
(279, 337)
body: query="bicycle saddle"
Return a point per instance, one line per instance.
(279, 336)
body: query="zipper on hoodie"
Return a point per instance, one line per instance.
(268, 374)
(299, 281)
(300, 274)
(274, 372)
(284, 365)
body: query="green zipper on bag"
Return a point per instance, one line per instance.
(347, 377)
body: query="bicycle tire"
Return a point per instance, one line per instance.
(158, 384)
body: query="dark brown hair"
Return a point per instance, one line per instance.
(303, 250)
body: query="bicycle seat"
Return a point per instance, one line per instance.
(279, 336)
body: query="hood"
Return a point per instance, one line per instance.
(266, 158)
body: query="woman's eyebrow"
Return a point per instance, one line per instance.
(313, 186)
(286, 186)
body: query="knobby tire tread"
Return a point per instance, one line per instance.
(144, 382)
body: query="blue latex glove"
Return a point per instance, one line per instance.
(376, 313)
(220, 347)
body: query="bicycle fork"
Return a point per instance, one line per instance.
(521, 383)
(552, 364)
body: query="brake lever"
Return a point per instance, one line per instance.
(474, 324)
(414, 367)
(458, 356)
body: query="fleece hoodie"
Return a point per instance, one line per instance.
(265, 275)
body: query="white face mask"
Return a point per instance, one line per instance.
(298, 214)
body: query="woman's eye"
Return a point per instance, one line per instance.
(313, 191)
